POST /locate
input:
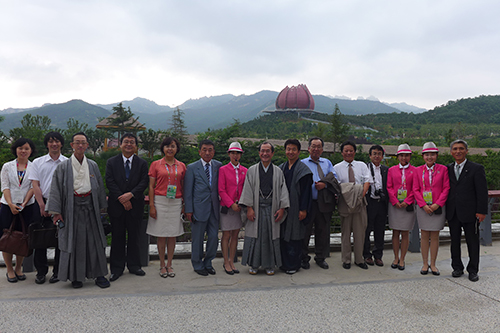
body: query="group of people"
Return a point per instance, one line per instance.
(279, 206)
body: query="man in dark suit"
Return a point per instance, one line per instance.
(466, 207)
(126, 179)
(201, 199)
(377, 207)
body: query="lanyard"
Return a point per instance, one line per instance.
(430, 176)
(403, 175)
(168, 172)
(21, 174)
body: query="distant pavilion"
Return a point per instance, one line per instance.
(294, 100)
(131, 125)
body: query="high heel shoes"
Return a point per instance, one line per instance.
(231, 272)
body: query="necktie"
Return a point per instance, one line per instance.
(127, 169)
(351, 174)
(320, 171)
(457, 170)
(207, 171)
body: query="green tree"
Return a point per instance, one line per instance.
(338, 128)
(123, 121)
(151, 140)
(96, 138)
(73, 126)
(177, 126)
(34, 128)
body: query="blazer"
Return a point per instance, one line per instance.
(440, 185)
(229, 191)
(469, 194)
(394, 184)
(199, 197)
(117, 185)
(10, 181)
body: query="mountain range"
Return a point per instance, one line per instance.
(199, 114)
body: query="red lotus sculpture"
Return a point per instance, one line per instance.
(297, 97)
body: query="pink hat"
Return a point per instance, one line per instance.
(429, 147)
(235, 146)
(404, 149)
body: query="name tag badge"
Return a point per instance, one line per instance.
(402, 194)
(171, 191)
(428, 197)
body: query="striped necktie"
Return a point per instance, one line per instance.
(207, 171)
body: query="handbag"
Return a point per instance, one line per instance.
(42, 235)
(15, 242)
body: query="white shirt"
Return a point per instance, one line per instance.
(361, 173)
(378, 180)
(125, 161)
(43, 169)
(10, 181)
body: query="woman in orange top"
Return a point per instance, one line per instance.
(166, 180)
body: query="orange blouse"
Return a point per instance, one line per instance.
(166, 175)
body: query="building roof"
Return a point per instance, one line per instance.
(131, 124)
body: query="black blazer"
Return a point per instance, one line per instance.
(117, 185)
(383, 171)
(469, 194)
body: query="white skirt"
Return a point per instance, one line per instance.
(168, 222)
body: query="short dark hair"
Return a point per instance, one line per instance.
(21, 142)
(294, 142)
(316, 138)
(128, 135)
(80, 133)
(55, 136)
(267, 143)
(347, 143)
(167, 141)
(207, 142)
(375, 147)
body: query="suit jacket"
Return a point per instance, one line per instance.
(229, 191)
(440, 185)
(383, 172)
(394, 184)
(199, 196)
(117, 185)
(469, 194)
(327, 197)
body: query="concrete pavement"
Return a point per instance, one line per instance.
(317, 300)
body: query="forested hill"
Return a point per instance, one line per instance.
(477, 110)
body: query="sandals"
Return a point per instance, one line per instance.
(163, 275)
(170, 272)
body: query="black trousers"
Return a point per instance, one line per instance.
(321, 222)
(377, 219)
(472, 239)
(291, 254)
(40, 255)
(125, 250)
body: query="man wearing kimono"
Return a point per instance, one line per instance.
(265, 197)
(76, 198)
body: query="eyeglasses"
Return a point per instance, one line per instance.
(78, 143)
(128, 142)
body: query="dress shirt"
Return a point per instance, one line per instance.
(378, 181)
(361, 172)
(125, 161)
(43, 170)
(325, 165)
(460, 167)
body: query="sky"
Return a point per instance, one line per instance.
(424, 53)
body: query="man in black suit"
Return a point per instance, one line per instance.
(377, 207)
(466, 207)
(126, 179)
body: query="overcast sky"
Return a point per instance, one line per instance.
(424, 53)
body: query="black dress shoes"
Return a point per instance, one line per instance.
(138, 272)
(102, 282)
(53, 278)
(305, 265)
(346, 265)
(230, 272)
(473, 277)
(210, 270)
(323, 264)
(457, 273)
(362, 265)
(114, 277)
(11, 280)
(40, 279)
(77, 284)
(202, 272)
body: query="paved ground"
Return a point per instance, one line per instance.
(316, 300)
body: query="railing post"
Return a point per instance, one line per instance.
(485, 237)
(414, 246)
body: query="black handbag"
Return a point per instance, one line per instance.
(14, 241)
(42, 234)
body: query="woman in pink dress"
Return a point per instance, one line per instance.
(431, 186)
(231, 179)
(401, 208)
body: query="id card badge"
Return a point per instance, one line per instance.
(428, 197)
(171, 191)
(402, 194)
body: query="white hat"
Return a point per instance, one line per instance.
(429, 147)
(404, 149)
(235, 146)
